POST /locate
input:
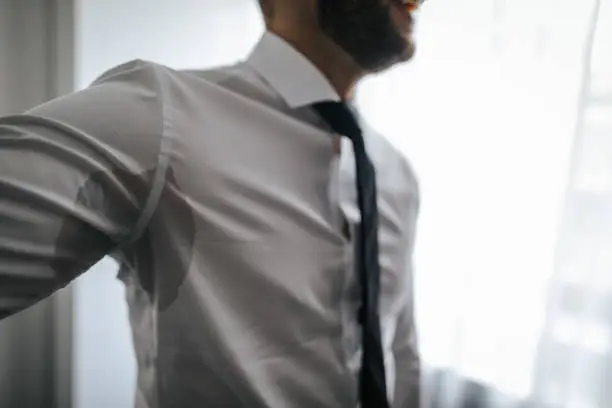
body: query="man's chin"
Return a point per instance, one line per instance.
(410, 51)
(400, 58)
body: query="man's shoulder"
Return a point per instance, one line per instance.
(135, 70)
(216, 75)
(139, 68)
(235, 78)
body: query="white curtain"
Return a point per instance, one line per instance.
(506, 115)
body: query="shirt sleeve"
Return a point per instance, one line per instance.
(408, 377)
(75, 176)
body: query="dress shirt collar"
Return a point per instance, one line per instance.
(290, 73)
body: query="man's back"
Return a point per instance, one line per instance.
(226, 201)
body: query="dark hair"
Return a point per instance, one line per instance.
(267, 8)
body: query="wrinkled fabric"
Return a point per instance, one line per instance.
(232, 216)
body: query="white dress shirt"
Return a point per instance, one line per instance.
(222, 195)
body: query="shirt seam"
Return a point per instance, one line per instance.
(161, 169)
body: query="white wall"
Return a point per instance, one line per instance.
(25, 347)
(181, 34)
(24, 79)
(35, 65)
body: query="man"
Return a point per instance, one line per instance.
(261, 270)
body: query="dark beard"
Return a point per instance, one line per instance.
(364, 29)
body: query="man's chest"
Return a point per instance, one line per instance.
(272, 199)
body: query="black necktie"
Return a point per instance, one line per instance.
(372, 385)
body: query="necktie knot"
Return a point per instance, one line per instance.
(339, 117)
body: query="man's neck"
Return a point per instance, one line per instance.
(335, 64)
